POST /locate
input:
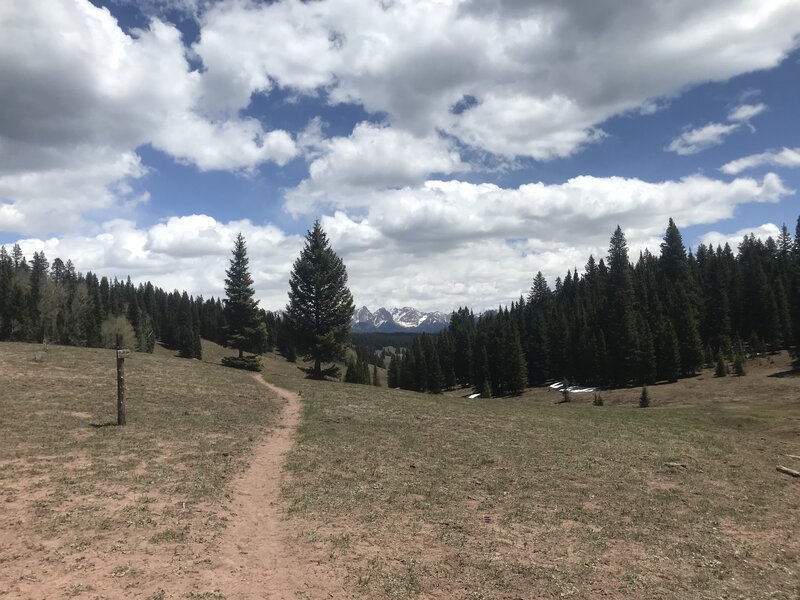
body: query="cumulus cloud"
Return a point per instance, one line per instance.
(538, 91)
(715, 238)
(438, 245)
(373, 157)
(190, 253)
(79, 95)
(786, 157)
(54, 199)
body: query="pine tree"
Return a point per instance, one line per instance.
(393, 375)
(186, 344)
(483, 381)
(621, 338)
(435, 377)
(320, 304)
(644, 398)
(516, 361)
(245, 330)
(721, 370)
(669, 357)
(375, 377)
(681, 298)
(738, 364)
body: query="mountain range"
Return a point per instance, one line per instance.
(406, 319)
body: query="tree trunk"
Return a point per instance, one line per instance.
(317, 369)
(241, 354)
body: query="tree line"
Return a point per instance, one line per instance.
(41, 301)
(614, 324)
(618, 323)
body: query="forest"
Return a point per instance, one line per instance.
(616, 323)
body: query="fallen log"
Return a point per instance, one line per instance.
(788, 471)
(794, 456)
(676, 465)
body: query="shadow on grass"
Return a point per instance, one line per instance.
(790, 373)
(106, 424)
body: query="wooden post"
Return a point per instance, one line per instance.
(120, 382)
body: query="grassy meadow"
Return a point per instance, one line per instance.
(444, 497)
(408, 495)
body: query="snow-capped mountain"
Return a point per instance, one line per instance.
(398, 319)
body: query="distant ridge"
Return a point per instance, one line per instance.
(405, 319)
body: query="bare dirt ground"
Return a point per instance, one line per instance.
(254, 558)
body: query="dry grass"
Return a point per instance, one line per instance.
(94, 510)
(416, 496)
(445, 497)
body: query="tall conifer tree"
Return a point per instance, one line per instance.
(320, 304)
(245, 329)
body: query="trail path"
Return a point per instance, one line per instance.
(255, 559)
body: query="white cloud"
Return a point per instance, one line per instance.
(787, 157)
(745, 112)
(79, 96)
(698, 139)
(715, 238)
(693, 141)
(188, 253)
(545, 75)
(435, 246)
(373, 157)
(55, 199)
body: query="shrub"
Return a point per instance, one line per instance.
(118, 325)
(565, 391)
(290, 354)
(248, 363)
(598, 400)
(644, 398)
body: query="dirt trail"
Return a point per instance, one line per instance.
(255, 559)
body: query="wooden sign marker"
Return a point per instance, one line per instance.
(121, 354)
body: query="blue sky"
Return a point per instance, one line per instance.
(139, 137)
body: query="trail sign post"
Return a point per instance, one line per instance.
(121, 354)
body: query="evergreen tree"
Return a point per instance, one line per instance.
(738, 364)
(681, 298)
(393, 376)
(375, 378)
(621, 338)
(644, 398)
(721, 370)
(245, 330)
(669, 356)
(186, 344)
(320, 304)
(483, 382)
(518, 375)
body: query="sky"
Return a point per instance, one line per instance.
(450, 148)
